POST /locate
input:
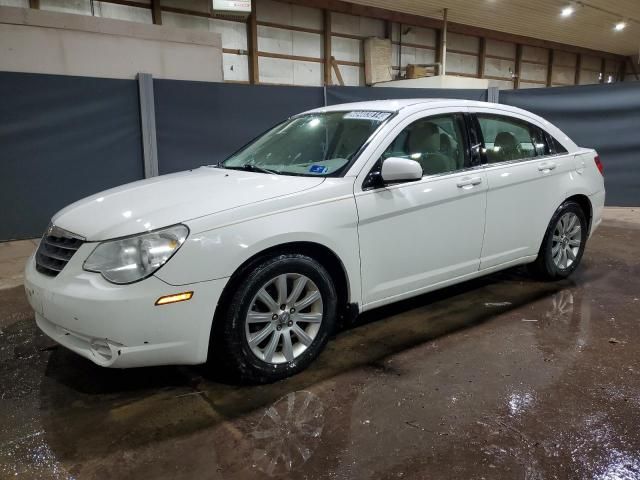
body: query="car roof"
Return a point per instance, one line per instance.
(394, 105)
(416, 104)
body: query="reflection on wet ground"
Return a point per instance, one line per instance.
(503, 377)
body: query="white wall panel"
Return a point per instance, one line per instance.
(306, 17)
(185, 21)
(349, 24)
(371, 27)
(347, 49)
(289, 72)
(535, 54)
(352, 76)
(123, 12)
(463, 43)
(234, 34)
(275, 40)
(494, 67)
(275, 70)
(563, 75)
(14, 3)
(591, 63)
(501, 49)
(236, 67)
(287, 14)
(588, 77)
(565, 59)
(418, 35)
(195, 5)
(307, 73)
(307, 44)
(457, 63)
(81, 7)
(274, 12)
(533, 71)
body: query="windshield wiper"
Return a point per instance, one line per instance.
(250, 167)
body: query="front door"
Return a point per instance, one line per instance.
(419, 234)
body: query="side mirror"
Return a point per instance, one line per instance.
(397, 170)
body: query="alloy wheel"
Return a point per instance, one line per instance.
(566, 240)
(284, 318)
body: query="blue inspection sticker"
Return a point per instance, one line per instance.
(318, 169)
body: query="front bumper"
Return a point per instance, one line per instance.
(119, 325)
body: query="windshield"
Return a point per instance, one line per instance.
(315, 144)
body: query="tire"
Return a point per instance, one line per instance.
(552, 263)
(243, 336)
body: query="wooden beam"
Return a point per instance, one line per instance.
(290, 27)
(438, 50)
(252, 43)
(634, 70)
(156, 12)
(388, 29)
(550, 68)
(340, 6)
(603, 70)
(443, 42)
(622, 70)
(415, 45)
(461, 52)
(537, 82)
(34, 4)
(483, 57)
(518, 67)
(326, 42)
(336, 68)
(576, 80)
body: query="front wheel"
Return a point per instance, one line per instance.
(278, 320)
(563, 244)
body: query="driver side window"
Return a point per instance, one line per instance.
(436, 143)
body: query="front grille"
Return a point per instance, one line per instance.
(56, 249)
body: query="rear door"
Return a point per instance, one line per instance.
(525, 180)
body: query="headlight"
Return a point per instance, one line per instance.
(130, 259)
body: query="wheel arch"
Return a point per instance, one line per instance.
(321, 253)
(586, 206)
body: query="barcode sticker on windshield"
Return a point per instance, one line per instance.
(367, 115)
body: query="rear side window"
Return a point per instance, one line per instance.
(556, 146)
(507, 139)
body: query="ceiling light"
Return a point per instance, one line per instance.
(618, 27)
(567, 11)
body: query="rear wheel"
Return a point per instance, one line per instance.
(563, 244)
(278, 320)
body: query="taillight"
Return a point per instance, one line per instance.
(599, 164)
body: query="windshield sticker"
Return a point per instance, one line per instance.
(318, 169)
(367, 115)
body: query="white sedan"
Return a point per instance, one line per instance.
(249, 264)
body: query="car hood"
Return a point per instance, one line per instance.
(169, 199)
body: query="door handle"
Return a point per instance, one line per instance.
(546, 166)
(469, 182)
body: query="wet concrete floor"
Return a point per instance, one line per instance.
(504, 377)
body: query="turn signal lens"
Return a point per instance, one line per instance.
(599, 164)
(178, 297)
